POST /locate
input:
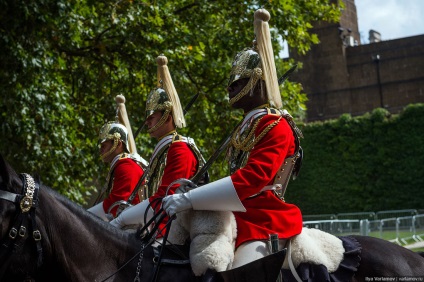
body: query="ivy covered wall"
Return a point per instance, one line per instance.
(368, 163)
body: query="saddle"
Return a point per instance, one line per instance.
(265, 269)
(213, 235)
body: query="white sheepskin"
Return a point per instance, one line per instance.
(212, 235)
(316, 247)
(210, 251)
(179, 232)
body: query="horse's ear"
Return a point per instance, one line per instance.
(7, 173)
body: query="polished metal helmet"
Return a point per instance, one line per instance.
(244, 65)
(157, 100)
(113, 131)
(257, 62)
(164, 97)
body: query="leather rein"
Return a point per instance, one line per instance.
(24, 221)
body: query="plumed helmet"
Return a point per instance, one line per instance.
(157, 100)
(258, 62)
(165, 97)
(114, 131)
(244, 64)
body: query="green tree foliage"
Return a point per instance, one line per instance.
(368, 163)
(64, 61)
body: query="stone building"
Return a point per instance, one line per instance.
(340, 75)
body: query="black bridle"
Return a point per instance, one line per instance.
(26, 203)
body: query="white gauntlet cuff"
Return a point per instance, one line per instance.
(99, 211)
(219, 195)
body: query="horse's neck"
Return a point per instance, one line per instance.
(79, 241)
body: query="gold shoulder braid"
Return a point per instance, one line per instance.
(242, 143)
(248, 142)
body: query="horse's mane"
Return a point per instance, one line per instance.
(76, 210)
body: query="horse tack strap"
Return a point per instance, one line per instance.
(11, 197)
(169, 261)
(291, 265)
(36, 235)
(27, 202)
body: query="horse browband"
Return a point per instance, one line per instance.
(26, 203)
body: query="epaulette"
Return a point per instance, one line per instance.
(124, 156)
(136, 158)
(177, 138)
(293, 125)
(272, 111)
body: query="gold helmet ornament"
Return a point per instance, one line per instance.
(257, 63)
(115, 131)
(164, 97)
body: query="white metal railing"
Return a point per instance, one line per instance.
(405, 229)
(337, 226)
(395, 213)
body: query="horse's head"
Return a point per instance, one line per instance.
(18, 200)
(9, 182)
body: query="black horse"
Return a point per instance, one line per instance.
(63, 242)
(75, 245)
(60, 241)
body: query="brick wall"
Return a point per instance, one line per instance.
(357, 79)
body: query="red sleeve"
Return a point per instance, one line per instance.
(265, 158)
(180, 163)
(126, 175)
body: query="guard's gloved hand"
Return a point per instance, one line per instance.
(176, 203)
(133, 215)
(99, 211)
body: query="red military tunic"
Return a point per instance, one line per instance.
(126, 173)
(181, 162)
(266, 213)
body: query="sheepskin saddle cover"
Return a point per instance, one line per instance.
(212, 235)
(316, 247)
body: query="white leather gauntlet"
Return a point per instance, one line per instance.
(176, 203)
(133, 215)
(98, 210)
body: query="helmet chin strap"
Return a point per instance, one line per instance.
(160, 122)
(107, 154)
(256, 75)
